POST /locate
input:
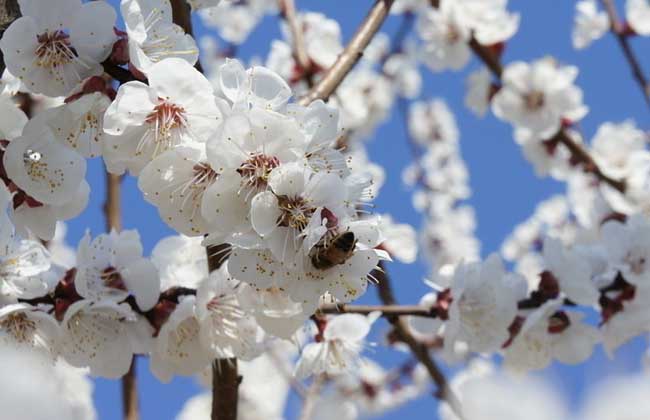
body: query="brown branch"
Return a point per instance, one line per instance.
(351, 54)
(621, 35)
(288, 13)
(182, 16)
(419, 350)
(118, 73)
(130, 393)
(112, 211)
(580, 154)
(386, 310)
(488, 57)
(225, 389)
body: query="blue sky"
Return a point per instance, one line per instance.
(505, 189)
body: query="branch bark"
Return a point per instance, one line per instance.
(386, 310)
(419, 350)
(112, 211)
(622, 37)
(288, 13)
(225, 389)
(351, 54)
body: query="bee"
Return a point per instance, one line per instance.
(327, 254)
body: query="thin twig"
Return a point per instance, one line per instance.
(351, 54)
(288, 13)
(386, 310)
(622, 37)
(130, 393)
(418, 349)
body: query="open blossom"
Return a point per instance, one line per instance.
(25, 271)
(55, 45)
(637, 13)
(337, 347)
(589, 23)
(112, 267)
(432, 122)
(628, 250)
(176, 108)
(99, 335)
(178, 348)
(26, 327)
(181, 261)
(79, 123)
(176, 182)
(225, 328)
(37, 164)
(484, 304)
(549, 333)
(491, 23)
(572, 271)
(152, 35)
(445, 37)
(614, 144)
(538, 97)
(234, 20)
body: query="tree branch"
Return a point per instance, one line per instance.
(419, 350)
(351, 54)
(386, 310)
(622, 37)
(579, 153)
(112, 211)
(225, 389)
(288, 13)
(118, 73)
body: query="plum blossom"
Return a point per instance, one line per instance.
(538, 97)
(99, 335)
(152, 36)
(25, 271)
(234, 20)
(549, 333)
(432, 122)
(590, 24)
(337, 346)
(176, 182)
(628, 250)
(637, 13)
(55, 45)
(80, 121)
(26, 327)
(484, 304)
(178, 349)
(445, 37)
(37, 164)
(176, 108)
(111, 267)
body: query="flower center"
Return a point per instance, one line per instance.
(165, 119)
(54, 49)
(112, 278)
(295, 212)
(534, 100)
(19, 326)
(256, 170)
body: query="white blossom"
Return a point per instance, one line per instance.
(55, 45)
